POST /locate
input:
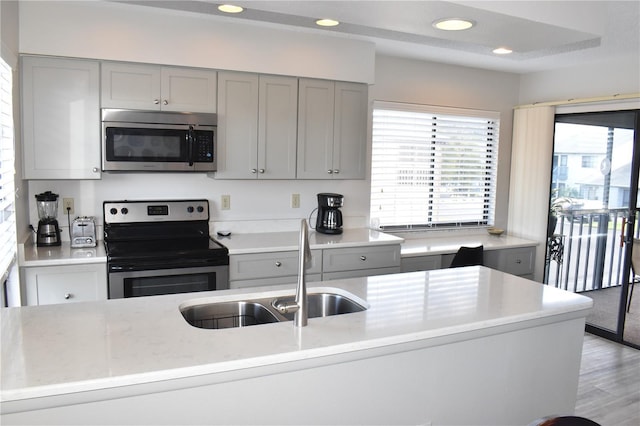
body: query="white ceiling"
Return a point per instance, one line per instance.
(544, 35)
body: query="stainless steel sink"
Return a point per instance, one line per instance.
(228, 315)
(243, 313)
(325, 304)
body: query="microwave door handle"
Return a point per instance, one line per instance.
(190, 141)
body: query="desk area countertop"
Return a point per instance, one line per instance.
(450, 243)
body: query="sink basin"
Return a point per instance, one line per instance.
(228, 315)
(325, 304)
(243, 313)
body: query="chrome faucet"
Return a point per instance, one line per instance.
(300, 305)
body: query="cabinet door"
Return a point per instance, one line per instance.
(66, 284)
(237, 126)
(350, 131)
(277, 127)
(130, 86)
(315, 129)
(61, 118)
(516, 260)
(361, 258)
(187, 89)
(270, 265)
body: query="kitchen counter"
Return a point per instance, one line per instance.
(286, 241)
(56, 356)
(450, 243)
(31, 255)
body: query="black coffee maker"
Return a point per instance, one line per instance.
(329, 219)
(48, 233)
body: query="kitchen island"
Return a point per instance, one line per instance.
(453, 346)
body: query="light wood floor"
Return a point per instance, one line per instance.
(609, 386)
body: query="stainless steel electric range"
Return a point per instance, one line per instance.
(162, 247)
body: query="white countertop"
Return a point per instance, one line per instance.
(62, 349)
(446, 244)
(286, 241)
(31, 255)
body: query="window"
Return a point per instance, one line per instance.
(7, 172)
(432, 166)
(588, 162)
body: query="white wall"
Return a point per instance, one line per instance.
(89, 29)
(606, 79)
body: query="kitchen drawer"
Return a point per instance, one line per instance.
(65, 284)
(421, 263)
(268, 265)
(516, 261)
(356, 258)
(357, 273)
(261, 282)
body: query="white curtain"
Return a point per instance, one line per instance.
(531, 160)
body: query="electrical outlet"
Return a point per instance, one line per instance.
(67, 205)
(225, 202)
(295, 201)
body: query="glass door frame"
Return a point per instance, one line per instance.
(629, 232)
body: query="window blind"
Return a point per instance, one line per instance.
(7, 173)
(433, 166)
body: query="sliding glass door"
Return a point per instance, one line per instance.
(593, 216)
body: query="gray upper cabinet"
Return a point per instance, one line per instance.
(153, 87)
(256, 126)
(60, 118)
(332, 128)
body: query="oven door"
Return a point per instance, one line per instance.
(167, 281)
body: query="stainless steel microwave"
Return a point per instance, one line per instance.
(158, 141)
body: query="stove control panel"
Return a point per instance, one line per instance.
(155, 211)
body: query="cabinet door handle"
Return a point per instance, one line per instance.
(68, 296)
(278, 264)
(363, 258)
(336, 171)
(329, 171)
(261, 170)
(254, 171)
(518, 261)
(165, 102)
(96, 169)
(156, 101)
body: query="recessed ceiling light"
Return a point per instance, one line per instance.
(229, 8)
(502, 51)
(453, 24)
(327, 22)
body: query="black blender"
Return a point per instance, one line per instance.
(48, 233)
(329, 219)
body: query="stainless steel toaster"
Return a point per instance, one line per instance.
(83, 232)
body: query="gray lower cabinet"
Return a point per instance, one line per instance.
(353, 262)
(46, 285)
(260, 269)
(517, 261)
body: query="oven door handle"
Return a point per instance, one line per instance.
(164, 266)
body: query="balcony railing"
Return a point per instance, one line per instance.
(585, 251)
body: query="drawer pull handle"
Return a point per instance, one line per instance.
(278, 264)
(68, 296)
(518, 261)
(363, 258)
